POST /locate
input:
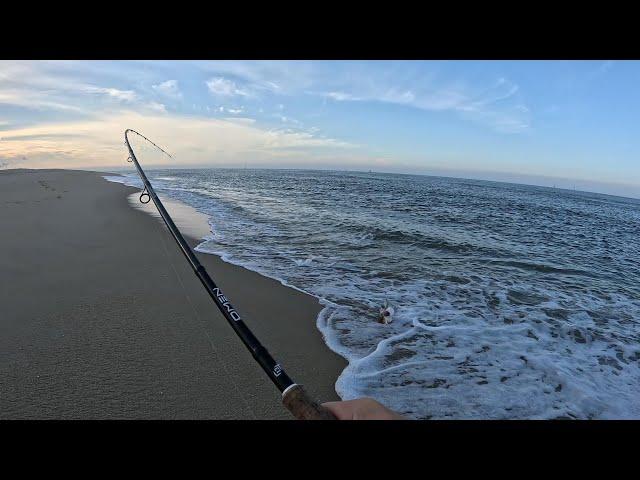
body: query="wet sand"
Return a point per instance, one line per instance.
(101, 317)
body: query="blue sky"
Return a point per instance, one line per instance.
(568, 123)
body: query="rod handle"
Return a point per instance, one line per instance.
(302, 406)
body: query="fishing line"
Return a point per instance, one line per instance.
(201, 324)
(294, 396)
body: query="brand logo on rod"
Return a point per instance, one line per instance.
(225, 302)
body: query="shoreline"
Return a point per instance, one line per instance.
(115, 325)
(195, 227)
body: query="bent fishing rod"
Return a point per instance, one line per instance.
(294, 396)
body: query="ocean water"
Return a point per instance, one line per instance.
(511, 301)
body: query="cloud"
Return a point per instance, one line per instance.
(499, 106)
(66, 87)
(192, 140)
(598, 72)
(232, 111)
(168, 89)
(270, 77)
(222, 87)
(120, 95)
(242, 120)
(34, 100)
(419, 85)
(606, 66)
(341, 96)
(489, 106)
(48, 86)
(286, 119)
(61, 86)
(105, 94)
(157, 107)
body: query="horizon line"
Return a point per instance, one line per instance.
(112, 169)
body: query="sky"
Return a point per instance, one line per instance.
(572, 124)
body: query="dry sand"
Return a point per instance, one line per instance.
(101, 316)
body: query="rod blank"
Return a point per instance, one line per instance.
(294, 397)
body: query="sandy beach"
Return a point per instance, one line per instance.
(102, 318)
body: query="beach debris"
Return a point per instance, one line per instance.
(385, 315)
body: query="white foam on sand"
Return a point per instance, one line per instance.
(190, 221)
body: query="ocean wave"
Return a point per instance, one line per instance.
(509, 302)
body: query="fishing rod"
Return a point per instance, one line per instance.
(294, 396)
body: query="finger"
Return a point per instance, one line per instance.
(342, 410)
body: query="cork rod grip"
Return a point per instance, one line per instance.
(302, 406)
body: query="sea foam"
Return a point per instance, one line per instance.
(510, 301)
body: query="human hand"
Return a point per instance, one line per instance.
(361, 409)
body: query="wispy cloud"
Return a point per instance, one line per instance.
(222, 87)
(157, 107)
(169, 89)
(193, 140)
(231, 110)
(35, 100)
(42, 86)
(606, 66)
(599, 71)
(493, 106)
(268, 77)
(287, 119)
(121, 95)
(499, 105)
(341, 96)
